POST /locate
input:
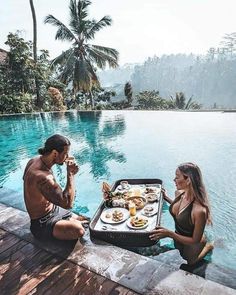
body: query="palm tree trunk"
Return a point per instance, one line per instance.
(91, 100)
(38, 100)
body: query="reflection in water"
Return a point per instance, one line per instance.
(21, 136)
(97, 137)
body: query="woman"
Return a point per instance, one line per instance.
(191, 213)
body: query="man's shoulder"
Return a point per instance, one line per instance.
(33, 170)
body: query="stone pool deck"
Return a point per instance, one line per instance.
(109, 269)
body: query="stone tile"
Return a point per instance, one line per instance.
(123, 264)
(93, 257)
(3, 207)
(167, 281)
(14, 221)
(212, 288)
(139, 277)
(6, 214)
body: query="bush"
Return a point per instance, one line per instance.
(16, 103)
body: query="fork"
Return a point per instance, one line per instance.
(105, 227)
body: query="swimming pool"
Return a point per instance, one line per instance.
(110, 145)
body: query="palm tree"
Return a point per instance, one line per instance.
(78, 64)
(128, 92)
(38, 100)
(179, 102)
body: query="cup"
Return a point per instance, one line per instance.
(70, 160)
(124, 184)
(132, 209)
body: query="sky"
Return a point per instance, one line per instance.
(140, 28)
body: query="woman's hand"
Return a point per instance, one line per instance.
(165, 196)
(164, 193)
(159, 233)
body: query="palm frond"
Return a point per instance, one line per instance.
(61, 59)
(107, 50)
(189, 103)
(101, 58)
(96, 26)
(63, 33)
(68, 69)
(74, 20)
(82, 8)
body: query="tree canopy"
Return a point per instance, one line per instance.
(78, 64)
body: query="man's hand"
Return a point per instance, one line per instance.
(72, 168)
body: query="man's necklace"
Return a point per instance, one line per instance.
(50, 170)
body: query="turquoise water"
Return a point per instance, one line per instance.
(110, 145)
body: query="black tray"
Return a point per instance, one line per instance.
(126, 238)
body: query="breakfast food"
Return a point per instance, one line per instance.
(138, 201)
(151, 197)
(150, 190)
(117, 215)
(108, 215)
(148, 210)
(138, 221)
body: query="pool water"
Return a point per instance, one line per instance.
(111, 145)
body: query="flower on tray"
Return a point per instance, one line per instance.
(106, 189)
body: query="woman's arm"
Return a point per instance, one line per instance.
(199, 226)
(165, 196)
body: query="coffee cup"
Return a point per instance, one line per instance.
(124, 184)
(70, 160)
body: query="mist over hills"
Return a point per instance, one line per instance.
(210, 79)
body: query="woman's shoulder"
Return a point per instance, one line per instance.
(199, 209)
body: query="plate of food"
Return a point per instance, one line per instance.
(114, 215)
(152, 189)
(123, 188)
(149, 210)
(151, 197)
(139, 201)
(137, 222)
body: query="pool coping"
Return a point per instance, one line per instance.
(138, 273)
(233, 110)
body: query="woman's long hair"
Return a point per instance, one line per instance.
(198, 188)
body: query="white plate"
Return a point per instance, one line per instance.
(153, 189)
(134, 227)
(152, 213)
(121, 188)
(110, 211)
(151, 197)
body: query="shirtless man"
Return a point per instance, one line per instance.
(45, 199)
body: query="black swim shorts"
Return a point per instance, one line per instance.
(42, 228)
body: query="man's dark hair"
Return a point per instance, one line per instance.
(56, 142)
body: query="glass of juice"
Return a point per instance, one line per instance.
(132, 209)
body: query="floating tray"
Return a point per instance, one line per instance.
(122, 235)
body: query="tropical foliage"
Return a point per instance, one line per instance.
(78, 64)
(17, 78)
(151, 100)
(209, 78)
(179, 102)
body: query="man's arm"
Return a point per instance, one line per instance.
(53, 192)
